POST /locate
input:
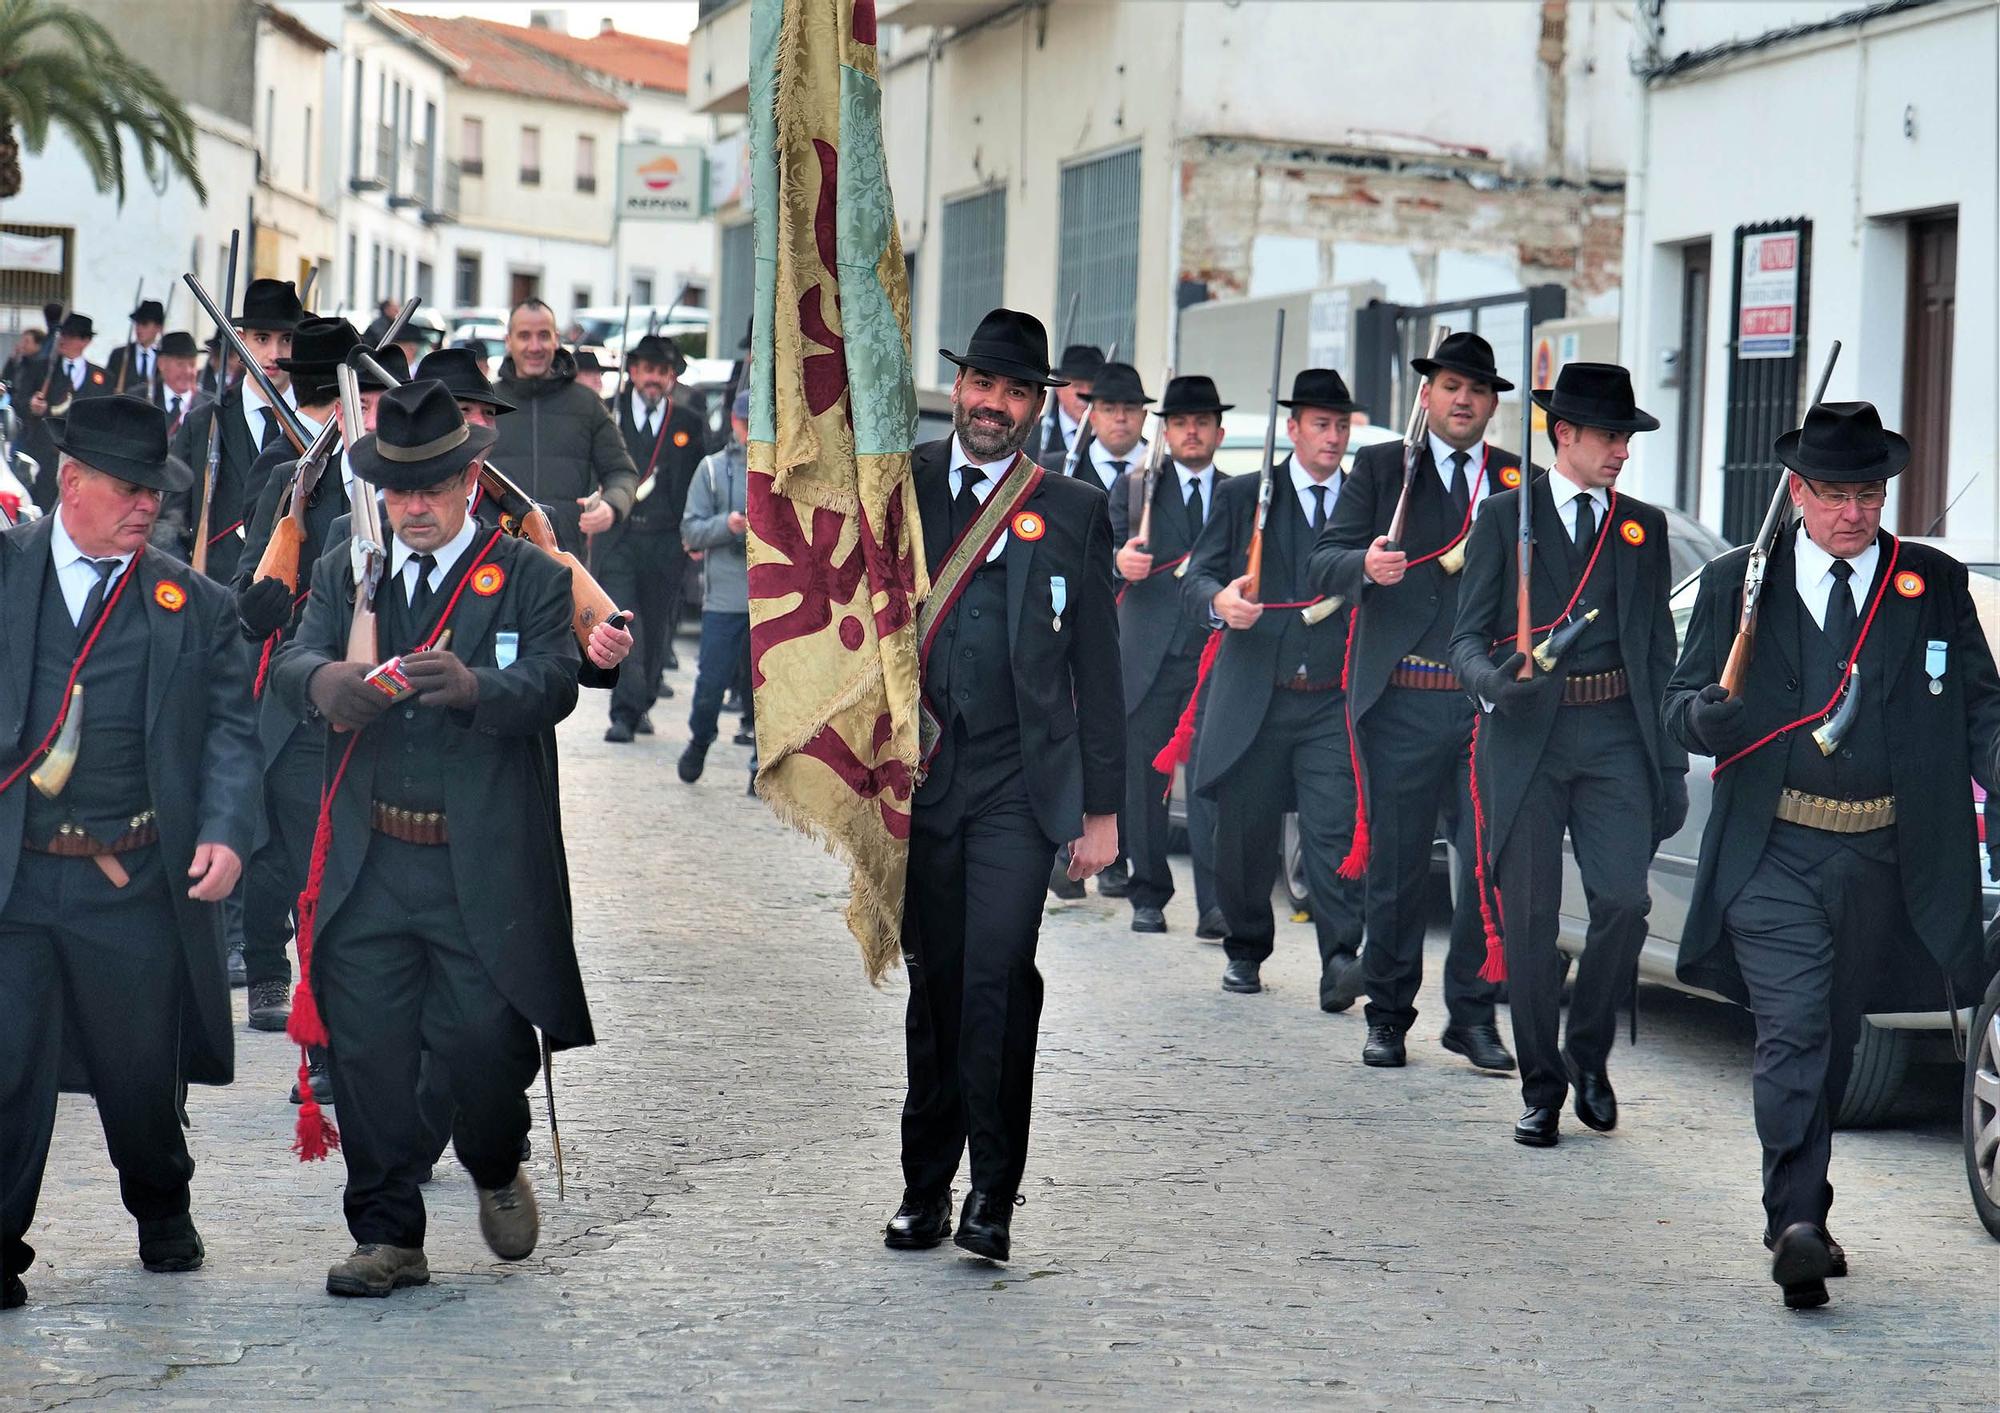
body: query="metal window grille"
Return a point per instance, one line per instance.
(973, 232)
(1098, 251)
(466, 283)
(29, 290)
(737, 292)
(1764, 396)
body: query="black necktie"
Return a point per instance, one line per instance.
(1319, 507)
(420, 592)
(174, 415)
(1461, 491)
(270, 429)
(1117, 470)
(1840, 611)
(1194, 515)
(965, 505)
(1586, 521)
(94, 600)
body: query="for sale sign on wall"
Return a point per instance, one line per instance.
(1767, 305)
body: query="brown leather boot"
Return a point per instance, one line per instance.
(376, 1270)
(508, 1219)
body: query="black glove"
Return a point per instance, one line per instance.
(1717, 722)
(1510, 695)
(1670, 812)
(265, 608)
(441, 679)
(342, 696)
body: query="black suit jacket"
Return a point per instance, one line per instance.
(679, 452)
(1939, 743)
(1066, 684)
(32, 377)
(1149, 612)
(236, 486)
(1510, 749)
(134, 386)
(1394, 618)
(500, 792)
(1243, 677)
(201, 765)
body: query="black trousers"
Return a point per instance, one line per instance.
(277, 870)
(643, 572)
(1417, 746)
(100, 968)
(979, 868)
(1299, 759)
(1805, 930)
(1148, 727)
(395, 975)
(1594, 782)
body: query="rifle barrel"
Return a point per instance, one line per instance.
(288, 420)
(1255, 566)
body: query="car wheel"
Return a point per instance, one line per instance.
(1881, 1059)
(1292, 867)
(1982, 1110)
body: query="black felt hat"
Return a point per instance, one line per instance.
(1844, 442)
(1012, 345)
(458, 369)
(1117, 382)
(392, 359)
(1319, 387)
(124, 437)
(272, 305)
(150, 311)
(76, 326)
(420, 439)
(320, 346)
(1080, 360)
(1468, 354)
(178, 344)
(1193, 393)
(654, 349)
(1595, 395)
(586, 361)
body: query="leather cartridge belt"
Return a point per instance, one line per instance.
(1596, 687)
(1836, 816)
(1302, 683)
(71, 842)
(1422, 675)
(410, 826)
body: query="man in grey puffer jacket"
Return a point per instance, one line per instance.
(560, 446)
(714, 526)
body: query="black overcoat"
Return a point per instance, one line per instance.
(1149, 612)
(236, 486)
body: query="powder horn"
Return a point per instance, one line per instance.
(1828, 736)
(1557, 643)
(52, 775)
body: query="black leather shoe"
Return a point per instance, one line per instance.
(319, 1069)
(1145, 919)
(983, 1225)
(237, 975)
(1384, 1050)
(1479, 1044)
(1833, 1249)
(1114, 882)
(170, 1244)
(692, 760)
(13, 1294)
(1800, 1264)
(644, 725)
(673, 658)
(920, 1223)
(619, 733)
(1240, 976)
(1340, 983)
(1061, 885)
(745, 737)
(1596, 1105)
(1538, 1128)
(1213, 927)
(270, 1005)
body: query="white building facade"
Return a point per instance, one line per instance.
(298, 183)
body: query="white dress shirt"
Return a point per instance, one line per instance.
(1567, 493)
(1206, 478)
(403, 559)
(1100, 461)
(1302, 486)
(74, 369)
(1481, 484)
(982, 489)
(255, 410)
(1812, 571)
(647, 420)
(74, 570)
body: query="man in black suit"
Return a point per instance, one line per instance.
(1273, 730)
(134, 367)
(640, 561)
(1410, 719)
(443, 842)
(119, 832)
(177, 392)
(1069, 405)
(1118, 401)
(48, 385)
(271, 312)
(1578, 744)
(1159, 645)
(1843, 879)
(1023, 738)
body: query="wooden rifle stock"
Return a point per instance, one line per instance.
(520, 516)
(1254, 562)
(1142, 489)
(212, 470)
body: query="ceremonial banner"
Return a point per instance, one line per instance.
(836, 561)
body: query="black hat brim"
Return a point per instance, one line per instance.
(1004, 367)
(1639, 421)
(1293, 404)
(1431, 367)
(168, 475)
(269, 326)
(1894, 463)
(365, 456)
(1175, 409)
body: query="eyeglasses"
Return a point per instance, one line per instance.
(1843, 500)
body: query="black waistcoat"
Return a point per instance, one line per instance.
(1598, 649)
(1859, 768)
(410, 766)
(108, 786)
(971, 679)
(1320, 647)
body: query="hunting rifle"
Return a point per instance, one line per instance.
(1745, 646)
(1416, 432)
(1254, 569)
(131, 340)
(365, 546)
(1079, 448)
(1524, 526)
(212, 467)
(1141, 490)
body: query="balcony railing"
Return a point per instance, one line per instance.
(422, 178)
(443, 208)
(386, 165)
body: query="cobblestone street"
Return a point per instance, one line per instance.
(1224, 1208)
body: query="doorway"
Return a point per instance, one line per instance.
(1693, 361)
(1927, 337)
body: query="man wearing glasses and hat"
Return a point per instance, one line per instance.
(127, 798)
(1023, 741)
(1578, 745)
(1834, 882)
(134, 367)
(1069, 404)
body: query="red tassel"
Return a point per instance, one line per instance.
(1355, 865)
(1180, 746)
(306, 1027)
(263, 666)
(1495, 967)
(315, 1135)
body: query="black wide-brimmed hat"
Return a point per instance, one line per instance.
(1319, 387)
(420, 439)
(586, 361)
(272, 305)
(1012, 345)
(150, 311)
(1595, 395)
(1844, 442)
(1117, 382)
(1193, 393)
(392, 359)
(1080, 361)
(320, 346)
(1464, 353)
(178, 344)
(76, 326)
(663, 352)
(124, 437)
(458, 369)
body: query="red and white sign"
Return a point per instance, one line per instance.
(1767, 305)
(661, 183)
